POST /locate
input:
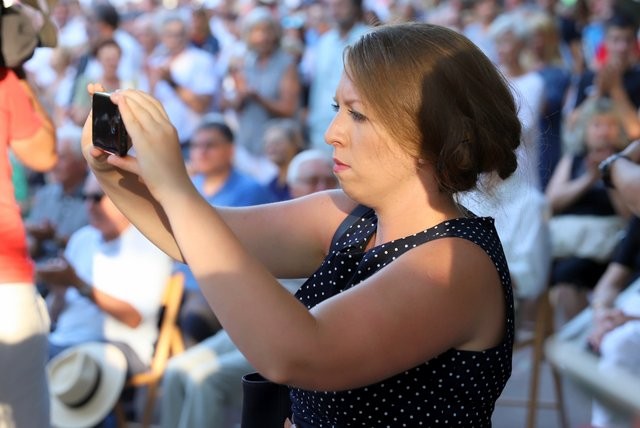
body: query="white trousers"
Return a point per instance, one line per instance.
(619, 348)
(24, 326)
(200, 385)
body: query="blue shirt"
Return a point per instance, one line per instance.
(239, 190)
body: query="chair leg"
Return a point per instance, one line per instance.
(121, 418)
(562, 414)
(543, 329)
(150, 401)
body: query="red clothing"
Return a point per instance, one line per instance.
(18, 120)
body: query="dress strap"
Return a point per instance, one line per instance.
(353, 217)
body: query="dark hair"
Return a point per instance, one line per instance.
(104, 43)
(217, 125)
(290, 128)
(105, 12)
(622, 21)
(442, 97)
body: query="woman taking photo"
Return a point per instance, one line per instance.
(408, 317)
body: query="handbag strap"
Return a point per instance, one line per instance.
(353, 217)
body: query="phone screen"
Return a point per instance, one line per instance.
(109, 132)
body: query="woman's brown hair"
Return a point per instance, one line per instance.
(442, 97)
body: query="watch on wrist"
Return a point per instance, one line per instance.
(605, 168)
(172, 82)
(86, 290)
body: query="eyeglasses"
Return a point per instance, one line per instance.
(92, 197)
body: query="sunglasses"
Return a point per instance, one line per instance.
(93, 197)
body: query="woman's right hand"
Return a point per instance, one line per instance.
(96, 158)
(158, 160)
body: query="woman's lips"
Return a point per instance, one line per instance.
(339, 166)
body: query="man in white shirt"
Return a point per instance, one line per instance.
(183, 78)
(109, 285)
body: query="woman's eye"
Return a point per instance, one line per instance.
(335, 107)
(358, 117)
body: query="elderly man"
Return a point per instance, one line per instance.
(211, 153)
(201, 383)
(57, 209)
(108, 286)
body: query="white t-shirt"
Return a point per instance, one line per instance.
(194, 69)
(129, 268)
(521, 214)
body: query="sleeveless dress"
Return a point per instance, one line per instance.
(456, 388)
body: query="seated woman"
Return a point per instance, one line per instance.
(587, 217)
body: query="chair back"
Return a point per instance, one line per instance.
(169, 336)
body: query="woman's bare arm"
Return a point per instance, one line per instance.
(266, 231)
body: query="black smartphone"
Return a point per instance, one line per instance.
(109, 132)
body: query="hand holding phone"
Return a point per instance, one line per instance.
(109, 132)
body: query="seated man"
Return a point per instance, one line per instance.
(199, 384)
(211, 154)
(108, 286)
(57, 209)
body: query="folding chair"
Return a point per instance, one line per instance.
(169, 343)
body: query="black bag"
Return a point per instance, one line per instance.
(265, 404)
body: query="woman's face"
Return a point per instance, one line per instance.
(109, 58)
(508, 47)
(368, 162)
(278, 148)
(602, 136)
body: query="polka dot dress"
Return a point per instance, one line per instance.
(455, 389)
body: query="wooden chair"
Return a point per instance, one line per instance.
(543, 328)
(169, 343)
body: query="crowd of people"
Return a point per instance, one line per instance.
(261, 94)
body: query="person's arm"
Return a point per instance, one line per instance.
(304, 245)
(606, 316)
(609, 83)
(199, 103)
(562, 191)
(613, 280)
(624, 174)
(36, 151)
(288, 100)
(117, 308)
(284, 340)
(59, 273)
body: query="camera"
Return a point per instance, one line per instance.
(109, 132)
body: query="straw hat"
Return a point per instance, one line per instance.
(85, 383)
(25, 27)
